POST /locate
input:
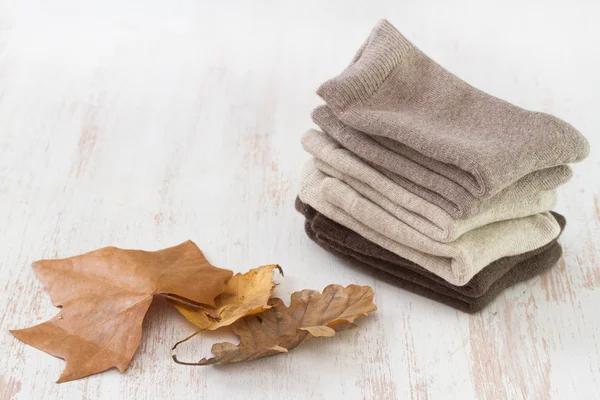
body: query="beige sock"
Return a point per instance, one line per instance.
(456, 262)
(427, 218)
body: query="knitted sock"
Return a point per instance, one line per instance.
(426, 183)
(393, 90)
(427, 218)
(472, 297)
(458, 261)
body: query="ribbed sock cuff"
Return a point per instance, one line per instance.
(379, 55)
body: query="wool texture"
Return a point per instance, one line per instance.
(465, 138)
(426, 183)
(457, 262)
(472, 297)
(430, 219)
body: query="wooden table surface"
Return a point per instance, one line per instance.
(144, 124)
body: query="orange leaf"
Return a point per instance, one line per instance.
(105, 295)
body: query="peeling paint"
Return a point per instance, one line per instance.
(9, 388)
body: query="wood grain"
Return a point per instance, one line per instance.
(144, 124)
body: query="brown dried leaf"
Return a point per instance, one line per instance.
(279, 329)
(246, 294)
(104, 296)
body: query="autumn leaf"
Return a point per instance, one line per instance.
(280, 328)
(245, 294)
(104, 297)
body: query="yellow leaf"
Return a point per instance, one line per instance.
(245, 294)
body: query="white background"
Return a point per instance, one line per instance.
(142, 124)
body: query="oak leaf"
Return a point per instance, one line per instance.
(104, 297)
(280, 328)
(245, 294)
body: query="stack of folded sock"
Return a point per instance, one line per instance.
(442, 189)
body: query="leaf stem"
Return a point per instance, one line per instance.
(186, 339)
(186, 363)
(181, 301)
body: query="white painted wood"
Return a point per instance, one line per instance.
(143, 124)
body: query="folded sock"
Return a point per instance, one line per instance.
(472, 297)
(335, 161)
(425, 182)
(394, 91)
(458, 261)
(476, 287)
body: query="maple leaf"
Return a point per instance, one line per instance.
(280, 328)
(245, 294)
(105, 295)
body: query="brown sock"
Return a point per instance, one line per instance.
(472, 297)
(418, 284)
